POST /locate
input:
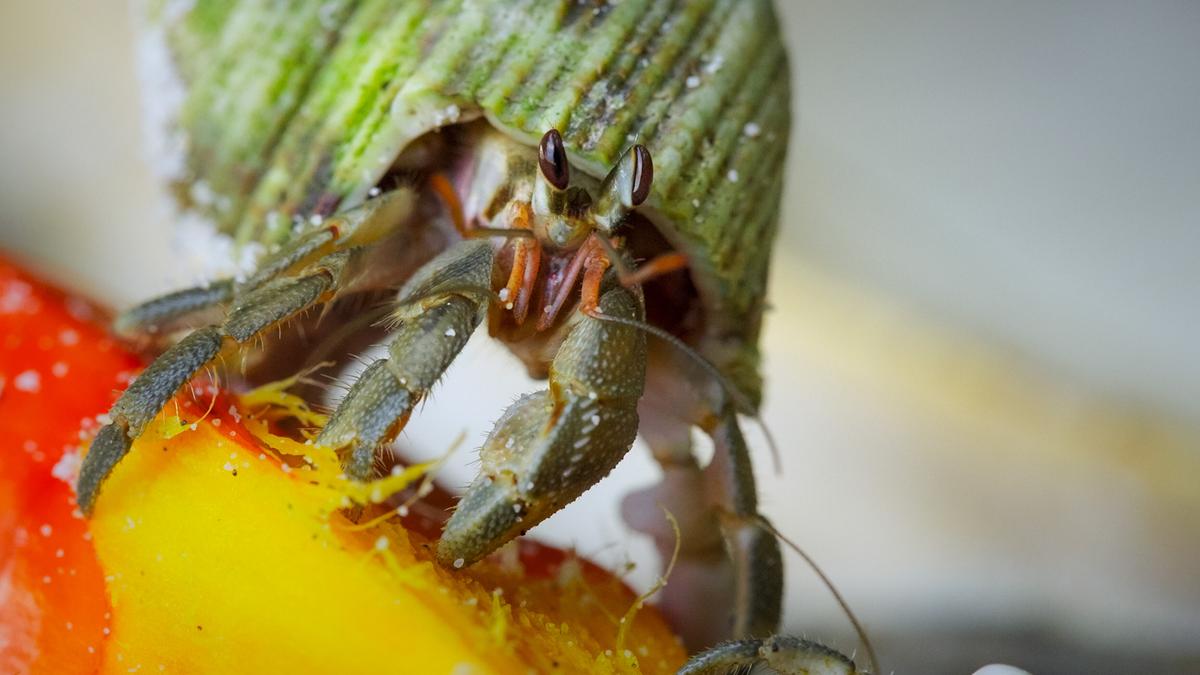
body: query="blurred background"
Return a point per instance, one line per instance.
(982, 356)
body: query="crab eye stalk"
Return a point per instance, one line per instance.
(552, 158)
(625, 188)
(643, 175)
(550, 191)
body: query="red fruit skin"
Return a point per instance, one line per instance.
(59, 369)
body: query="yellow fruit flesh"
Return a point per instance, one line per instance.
(220, 560)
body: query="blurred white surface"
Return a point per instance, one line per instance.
(984, 304)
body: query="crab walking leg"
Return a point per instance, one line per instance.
(163, 313)
(754, 551)
(753, 554)
(360, 226)
(779, 654)
(273, 302)
(439, 309)
(727, 559)
(552, 445)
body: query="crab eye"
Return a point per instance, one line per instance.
(643, 174)
(552, 158)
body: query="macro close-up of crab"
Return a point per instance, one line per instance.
(499, 337)
(599, 183)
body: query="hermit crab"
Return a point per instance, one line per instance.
(599, 181)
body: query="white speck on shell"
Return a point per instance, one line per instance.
(447, 115)
(327, 15)
(751, 130)
(714, 64)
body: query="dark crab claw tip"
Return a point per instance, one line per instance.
(486, 517)
(643, 174)
(552, 159)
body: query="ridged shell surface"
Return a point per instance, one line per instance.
(289, 108)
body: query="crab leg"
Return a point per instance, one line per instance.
(552, 445)
(727, 559)
(271, 303)
(166, 312)
(438, 310)
(754, 551)
(360, 226)
(779, 654)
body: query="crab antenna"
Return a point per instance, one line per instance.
(837, 596)
(624, 188)
(554, 176)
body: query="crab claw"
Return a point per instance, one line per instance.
(551, 446)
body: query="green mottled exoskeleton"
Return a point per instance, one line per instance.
(569, 171)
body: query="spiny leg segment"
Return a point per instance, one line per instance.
(162, 314)
(360, 226)
(780, 654)
(264, 302)
(754, 551)
(438, 310)
(146, 396)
